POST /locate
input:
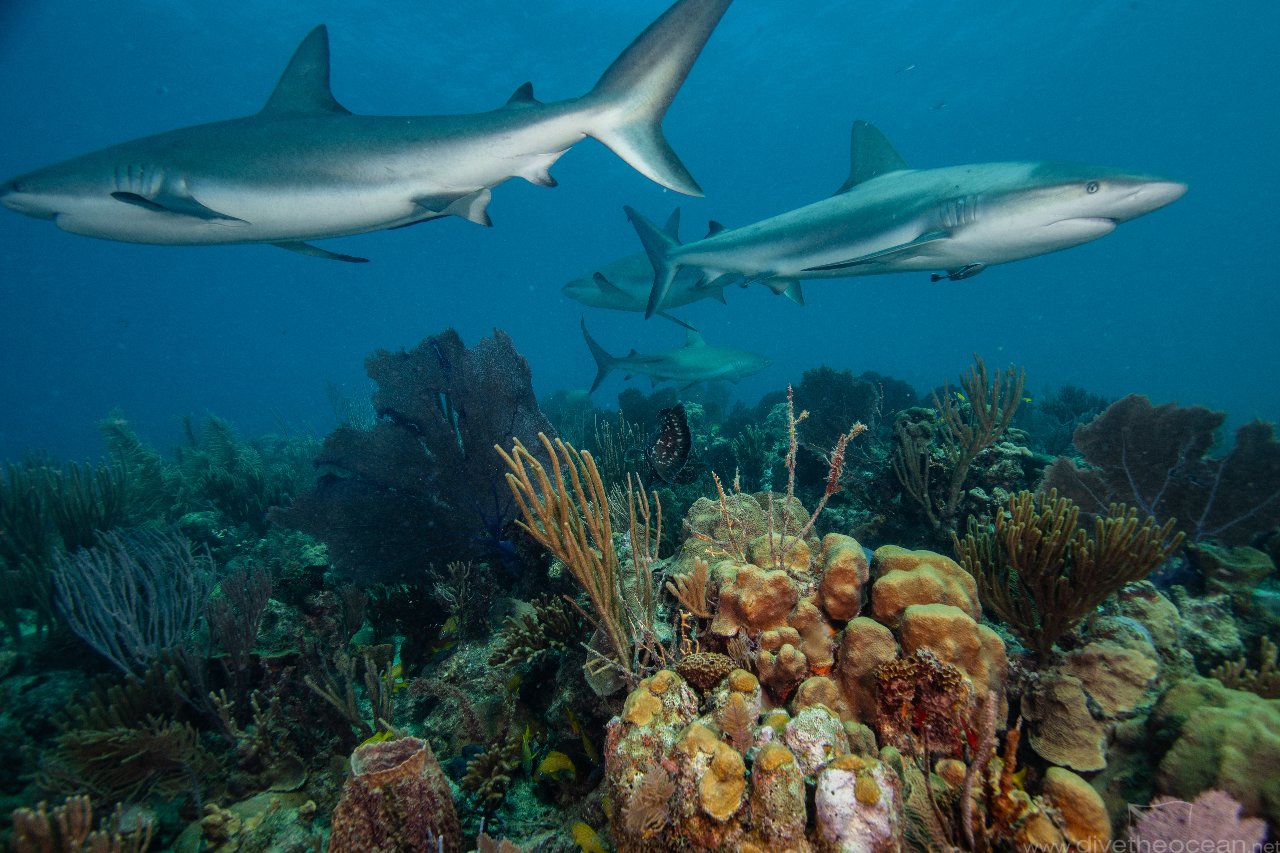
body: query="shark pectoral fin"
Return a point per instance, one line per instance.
(178, 203)
(304, 85)
(316, 252)
(900, 251)
(960, 273)
(472, 207)
(664, 315)
(870, 155)
(609, 287)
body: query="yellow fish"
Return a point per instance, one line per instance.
(380, 737)
(526, 750)
(576, 727)
(587, 838)
(557, 766)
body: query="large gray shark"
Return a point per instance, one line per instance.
(625, 284)
(696, 361)
(305, 168)
(888, 218)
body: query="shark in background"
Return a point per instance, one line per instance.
(305, 168)
(696, 361)
(888, 218)
(625, 284)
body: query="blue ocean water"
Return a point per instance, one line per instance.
(1179, 305)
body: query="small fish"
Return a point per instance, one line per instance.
(513, 683)
(526, 750)
(670, 452)
(556, 766)
(587, 838)
(576, 727)
(380, 737)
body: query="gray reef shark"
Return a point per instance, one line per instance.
(305, 168)
(625, 284)
(696, 361)
(887, 218)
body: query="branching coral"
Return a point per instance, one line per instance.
(567, 512)
(542, 630)
(1042, 573)
(967, 425)
(68, 828)
(1264, 681)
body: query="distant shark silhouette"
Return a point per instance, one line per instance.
(887, 218)
(624, 284)
(696, 361)
(305, 168)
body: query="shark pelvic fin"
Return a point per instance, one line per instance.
(304, 85)
(522, 97)
(631, 97)
(898, 252)
(316, 252)
(657, 244)
(177, 202)
(604, 362)
(537, 168)
(473, 207)
(870, 155)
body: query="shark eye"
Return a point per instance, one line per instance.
(1091, 187)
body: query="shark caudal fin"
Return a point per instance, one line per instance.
(657, 245)
(633, 94)
(604, 362)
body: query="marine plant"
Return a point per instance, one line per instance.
(1155, 458)
(1041, 572)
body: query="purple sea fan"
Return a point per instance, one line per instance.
(1212, 822)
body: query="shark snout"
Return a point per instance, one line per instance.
(16, 196)
(1148, 196)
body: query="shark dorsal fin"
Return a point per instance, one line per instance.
(304, 85)
(693, 338)
(713, 228)
(522, 97)
(672, 228)
(870, 155)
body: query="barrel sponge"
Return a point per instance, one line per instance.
(396, 798)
